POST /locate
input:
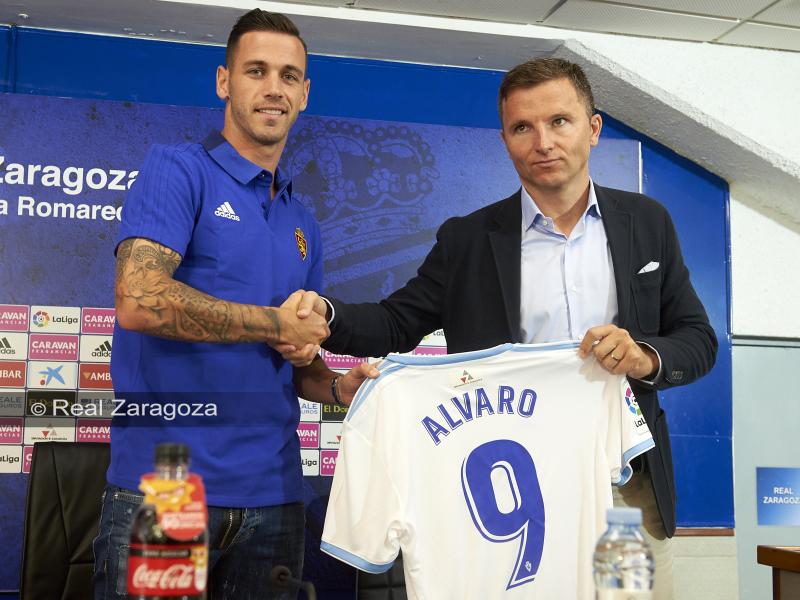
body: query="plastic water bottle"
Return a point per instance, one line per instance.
(623, 563)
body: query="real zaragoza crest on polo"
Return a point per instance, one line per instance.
(302, 245)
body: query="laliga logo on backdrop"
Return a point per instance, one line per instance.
(41, 319)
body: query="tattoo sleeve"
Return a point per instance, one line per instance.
(164, 307)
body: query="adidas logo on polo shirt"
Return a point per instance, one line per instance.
(226, 210)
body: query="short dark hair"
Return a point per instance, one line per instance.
(540, 70)
(261, 20)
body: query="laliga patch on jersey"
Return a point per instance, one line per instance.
(302, 245)
(633, 407)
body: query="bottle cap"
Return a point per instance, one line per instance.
(624, 516)
(172, 453)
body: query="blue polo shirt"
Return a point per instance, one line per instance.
(211, 205)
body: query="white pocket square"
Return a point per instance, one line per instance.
(651, 266)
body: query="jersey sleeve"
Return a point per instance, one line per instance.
(628, 435)
(161, 205)
(363, 522)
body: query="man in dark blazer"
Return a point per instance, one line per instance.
(562, 258)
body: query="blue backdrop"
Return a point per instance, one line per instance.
(407, 144)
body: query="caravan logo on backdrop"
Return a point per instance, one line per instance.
(44, 346)
(13, 317)
(98, 320)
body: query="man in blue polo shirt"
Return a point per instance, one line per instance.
(211, 244)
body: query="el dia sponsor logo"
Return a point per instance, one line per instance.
(98, 320)
(331, 435)
(309, 411)
(93, 430)
(14, 317)
(96, 348)
(11, 430)
(46, 346)
(52, 375)
(13, 346)
(10, 459)
(333, 412)
(48, 429)
(41, 403)
(95, 376)
(55, 319)
(328, 462)
(12, 403)
(27, 457)
(309, 435)
(12, 374)
(310, 461)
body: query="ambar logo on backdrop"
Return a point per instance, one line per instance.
(12, 374)
(55, 319)
(95, 377)
(46, 346)
(13, 317)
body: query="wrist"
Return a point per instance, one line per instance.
(337, 400)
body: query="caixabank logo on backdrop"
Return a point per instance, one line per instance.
(48, 346)
(53, 375)
(96, 348)
(10, 459)
(47, 429)
(95, 376)
(13, 346)
(55, 319)
(12, 373)
(97, 321)
(13, 317)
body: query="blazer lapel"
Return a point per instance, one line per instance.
(506, 242)
(619, 231)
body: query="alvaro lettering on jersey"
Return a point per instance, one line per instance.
(491, 470)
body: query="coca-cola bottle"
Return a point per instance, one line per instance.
(168, 557)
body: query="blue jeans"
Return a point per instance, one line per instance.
(244, 545)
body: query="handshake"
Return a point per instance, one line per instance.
(302, 327)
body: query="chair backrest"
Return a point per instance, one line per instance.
(62, 514)
(390, 585)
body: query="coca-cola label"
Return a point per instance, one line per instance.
(180, 504)
(161, 570)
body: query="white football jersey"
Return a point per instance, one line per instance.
(491, 470)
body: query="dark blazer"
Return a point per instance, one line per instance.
(469, 285)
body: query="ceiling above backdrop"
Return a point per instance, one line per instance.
(472, 33)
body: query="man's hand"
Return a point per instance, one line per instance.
(349, 383)
(304, 307)
(616, 351)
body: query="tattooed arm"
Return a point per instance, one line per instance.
(150, 301)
